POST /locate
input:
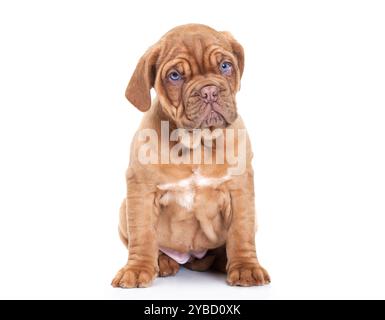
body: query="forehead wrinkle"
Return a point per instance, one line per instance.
(199, 55)
(174, 62)
(194, 66)
(212, 50)
(195, 48)
(191, 62)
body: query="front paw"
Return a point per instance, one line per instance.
(134, 277)
(247, 274)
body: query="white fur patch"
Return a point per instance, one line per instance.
(184, 198)
(183, 191)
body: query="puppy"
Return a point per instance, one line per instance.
(190, 193)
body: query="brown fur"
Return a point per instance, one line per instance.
(222, 218)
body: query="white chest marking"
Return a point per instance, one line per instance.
(184, 198)
(183, 191)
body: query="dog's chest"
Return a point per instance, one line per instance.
(193, 213)
(185, 192)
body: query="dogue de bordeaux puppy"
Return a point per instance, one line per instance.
(190, 193)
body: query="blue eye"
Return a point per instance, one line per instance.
(174, 76)
(225, 67)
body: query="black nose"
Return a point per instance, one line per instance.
(209, 93)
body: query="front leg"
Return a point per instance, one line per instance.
(142, 265)
(243, 268)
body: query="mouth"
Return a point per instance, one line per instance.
(209, 114)
(213, 120)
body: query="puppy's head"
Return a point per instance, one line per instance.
(196, 74)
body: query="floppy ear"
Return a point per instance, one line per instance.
(142, 80)
(237, 50)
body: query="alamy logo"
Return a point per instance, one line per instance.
(197, 146)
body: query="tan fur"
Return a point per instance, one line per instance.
(154, 213)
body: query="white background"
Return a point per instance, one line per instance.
(313, 98)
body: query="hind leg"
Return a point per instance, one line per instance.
(167, 266)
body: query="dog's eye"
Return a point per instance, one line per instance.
(225, 67)
(174, 76)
